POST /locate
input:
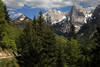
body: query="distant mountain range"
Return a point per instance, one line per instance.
(61, 21)
(82, 19)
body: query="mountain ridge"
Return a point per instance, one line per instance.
(61, 21)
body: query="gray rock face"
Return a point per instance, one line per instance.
(62, 21)
(90, 28)
(77, 16)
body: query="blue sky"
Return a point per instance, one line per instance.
(28, 11)
(31, 12)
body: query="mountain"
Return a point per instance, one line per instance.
(78, 16)
(90, 28)
(53, 16)
(21, 21)
(62, 21)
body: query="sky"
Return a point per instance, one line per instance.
(31, 8)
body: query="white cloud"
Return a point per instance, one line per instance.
(92, 2)
(38, 3)
(16, 15)
(10, 9)
(14, 3)
(47, 3)
(12, 12)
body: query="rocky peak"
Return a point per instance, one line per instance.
(21, 20)
(54, 16)
(62, 21)
(77, 14)
(22, 17)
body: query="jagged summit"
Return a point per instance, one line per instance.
(21, 20)
(54, 16)
(22, 17)
(77, 16)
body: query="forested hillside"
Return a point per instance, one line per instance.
(8, 33)
(37, 44)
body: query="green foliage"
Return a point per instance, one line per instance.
(8, 33)
(2, 14)
(11, 33)
(9, 62)
(72, 31)
(69, 52)
(36, 45)
(40, 47)
(90, 51)
(2, 21)
(61, 46)
(6, 14)
(73, 52)
(95, 52)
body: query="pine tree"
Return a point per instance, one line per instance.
(73, 53)
(2, 13)
(95, 49)
(34, 24)
(6, 14)
(7, 32)
(2, 22)
(39, 45)
(72, 31)
(41, 18)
